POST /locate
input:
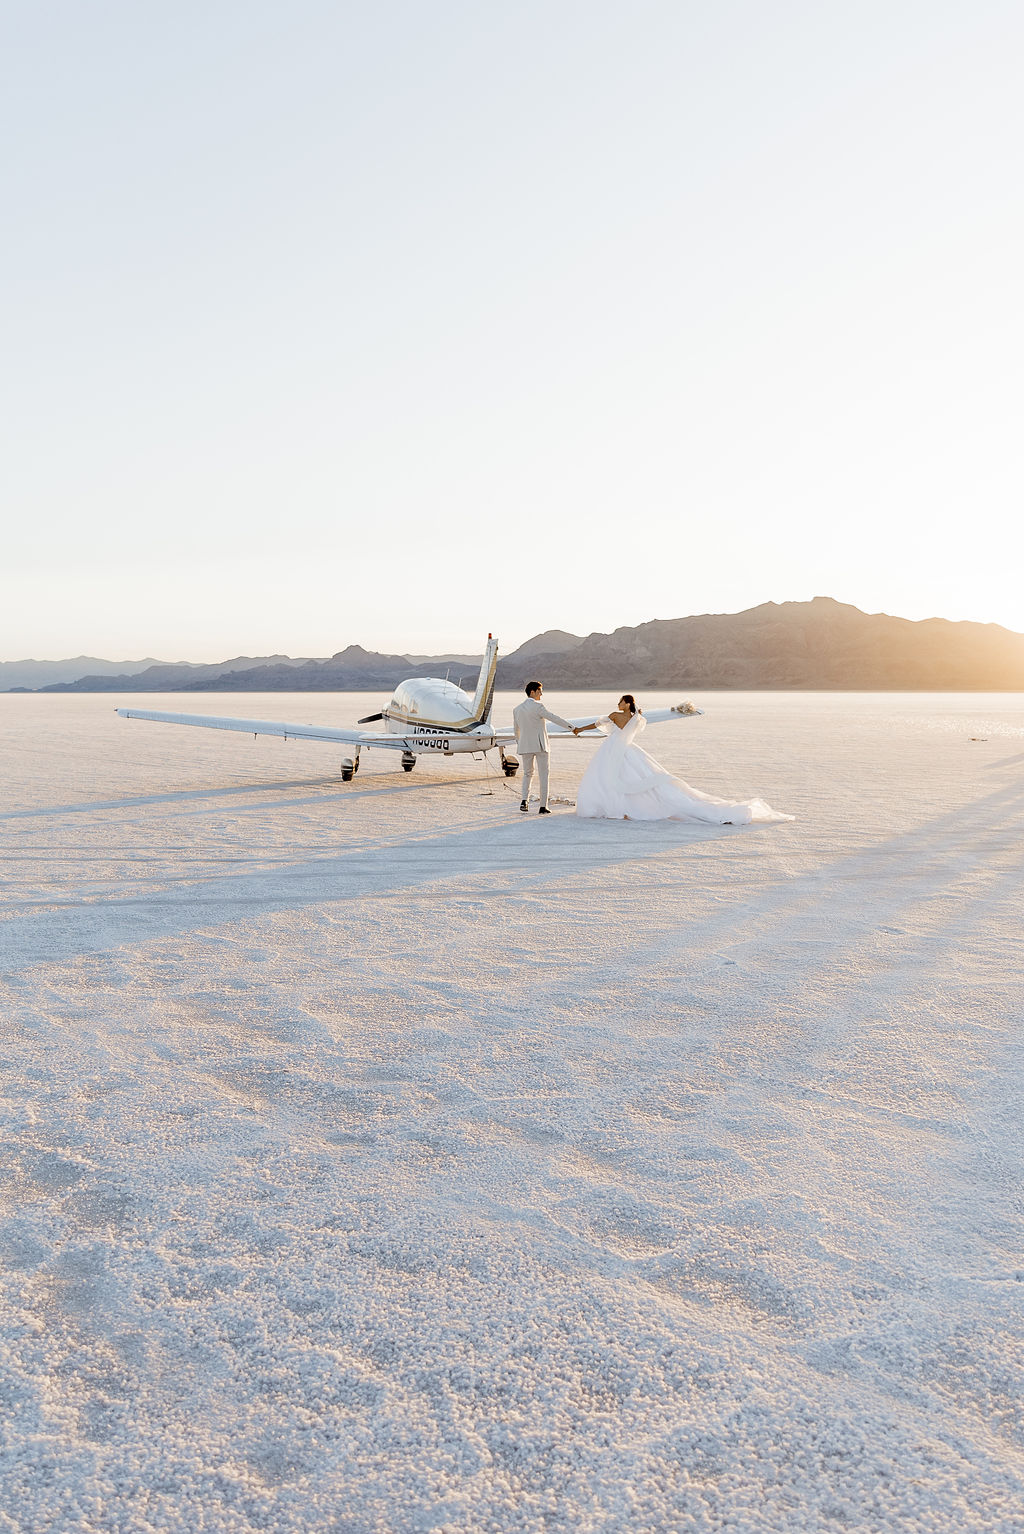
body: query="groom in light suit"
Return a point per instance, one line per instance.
(530, 720)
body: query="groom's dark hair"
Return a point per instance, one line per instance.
(531, 688)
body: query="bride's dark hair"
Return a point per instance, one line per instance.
(629, 700)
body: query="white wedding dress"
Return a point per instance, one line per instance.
(623, 782)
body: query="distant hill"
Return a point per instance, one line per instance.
(16, 675)
(820, 644)
(552, 642)
(445, 660)
(87, 674)
(350, 670)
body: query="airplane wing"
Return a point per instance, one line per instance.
(271, 727)
(675, 711)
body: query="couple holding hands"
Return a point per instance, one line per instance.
(621, 782)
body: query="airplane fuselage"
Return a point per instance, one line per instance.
(435, 715)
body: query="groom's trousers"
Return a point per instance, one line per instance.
(542, 759)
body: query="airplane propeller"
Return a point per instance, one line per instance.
(370, 719)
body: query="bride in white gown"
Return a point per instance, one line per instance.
(623, 783)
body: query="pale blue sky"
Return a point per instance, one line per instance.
(396, 323)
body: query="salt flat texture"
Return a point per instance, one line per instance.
(377, 1159)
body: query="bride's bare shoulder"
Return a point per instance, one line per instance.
(620, 717)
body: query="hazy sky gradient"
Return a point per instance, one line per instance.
(396, 323)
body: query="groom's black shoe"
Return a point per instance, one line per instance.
(543, 810)
(524, 805)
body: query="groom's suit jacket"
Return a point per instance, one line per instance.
(531, 727)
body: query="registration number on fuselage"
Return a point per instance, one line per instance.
(432, 741)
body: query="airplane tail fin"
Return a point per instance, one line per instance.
(483, 698)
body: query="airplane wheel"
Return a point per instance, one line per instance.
(511, 768)
(408, 763)
(346, 774)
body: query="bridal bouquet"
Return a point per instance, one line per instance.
(684, 708)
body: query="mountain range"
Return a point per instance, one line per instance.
(821, 644)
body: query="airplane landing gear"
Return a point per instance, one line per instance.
(408, 761)
(509, 765)
(349, 768)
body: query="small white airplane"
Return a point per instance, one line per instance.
(426, 716)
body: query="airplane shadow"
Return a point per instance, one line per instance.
(519, 849)
(397, 782)
(522, 853)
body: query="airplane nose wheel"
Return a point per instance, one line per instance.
(509, 765)
(408, 761)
